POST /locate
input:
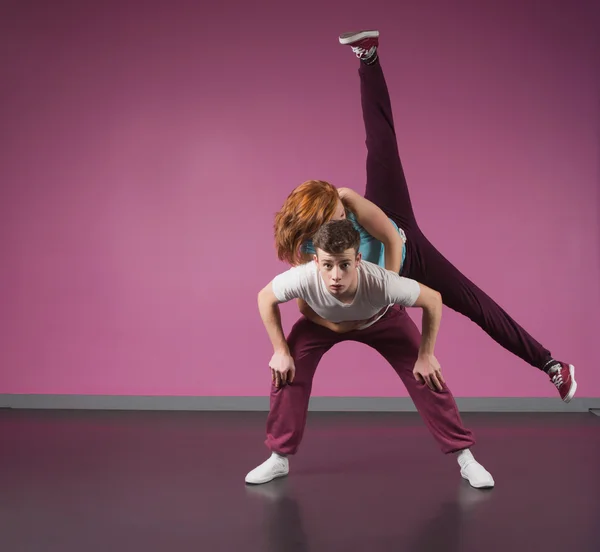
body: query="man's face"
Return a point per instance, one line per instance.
(339, 272)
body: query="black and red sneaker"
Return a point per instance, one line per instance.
(364, 43)
(563, 376)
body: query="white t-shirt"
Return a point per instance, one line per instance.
(377, 289)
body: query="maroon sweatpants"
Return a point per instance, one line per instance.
(396, 337)
(387, 188)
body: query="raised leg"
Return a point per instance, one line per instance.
(386, 184)
(429, 266)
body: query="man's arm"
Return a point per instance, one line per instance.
(410, 293)
(376, 223)
(431, 302)
(268, 306)
(281, 364)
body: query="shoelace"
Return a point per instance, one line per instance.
(557, 379)
(359, 51)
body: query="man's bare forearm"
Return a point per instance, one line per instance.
(271, 317)
(432, 315)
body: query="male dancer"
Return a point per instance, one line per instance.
(340, 287)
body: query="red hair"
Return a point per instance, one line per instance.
(305, 210)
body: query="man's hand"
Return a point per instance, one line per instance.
(282, 368)
(428, 370)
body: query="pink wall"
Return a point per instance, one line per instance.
(146, 146)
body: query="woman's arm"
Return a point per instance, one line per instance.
(376, 223)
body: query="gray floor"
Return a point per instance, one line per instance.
(174, 481)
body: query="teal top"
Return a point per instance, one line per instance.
(371, 249)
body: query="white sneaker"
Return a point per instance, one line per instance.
(275, 466)
(473, 471)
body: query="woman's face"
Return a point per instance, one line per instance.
(340, 212)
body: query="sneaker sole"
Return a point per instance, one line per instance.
(349, 38)
(263, 481)
(475, 486)
(571, 392)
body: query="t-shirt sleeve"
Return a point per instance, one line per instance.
(290, 284)
(400, 290)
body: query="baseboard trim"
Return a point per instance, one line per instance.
(337, 404)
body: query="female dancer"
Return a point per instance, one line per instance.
(390, 235)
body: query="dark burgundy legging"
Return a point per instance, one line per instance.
(387, 188)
